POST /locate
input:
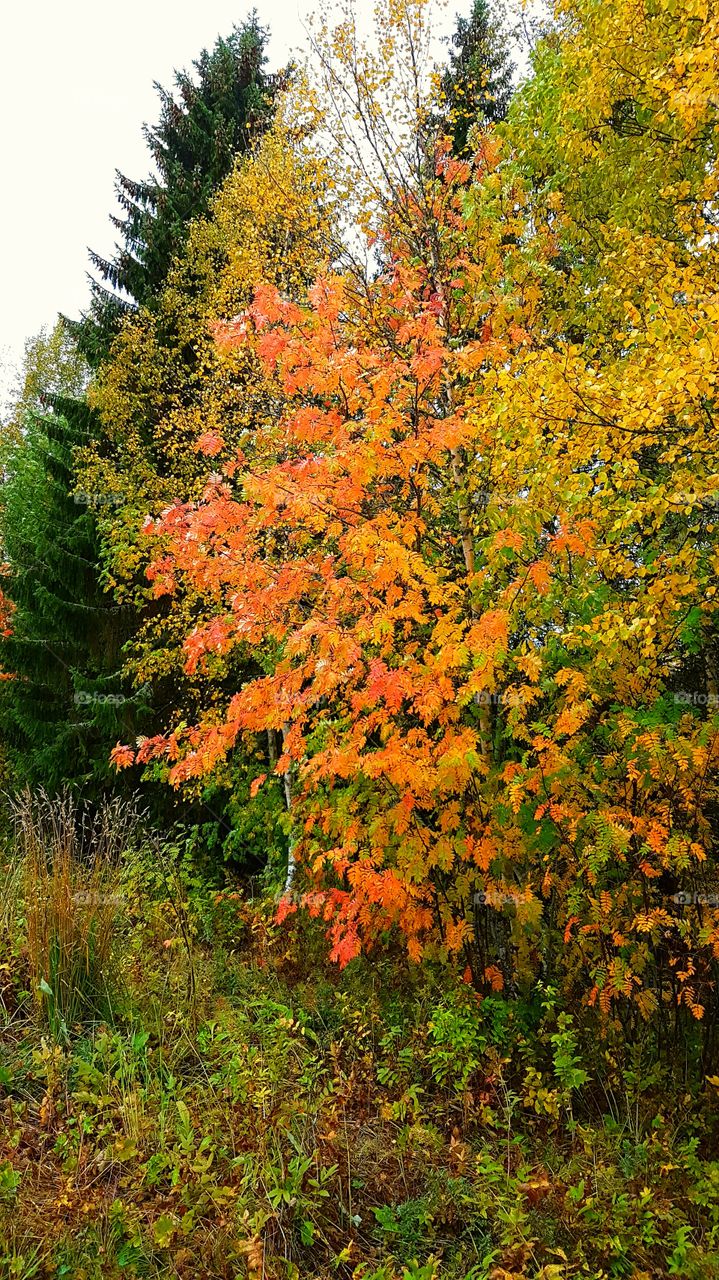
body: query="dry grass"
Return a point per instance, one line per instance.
(70, 876)
(10, 893)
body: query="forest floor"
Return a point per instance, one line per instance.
(226, 1103)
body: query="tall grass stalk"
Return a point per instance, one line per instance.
(10, 894)
(70, 868)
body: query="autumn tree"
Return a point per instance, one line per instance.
(334, 538)
(52, 366)
(615, 141)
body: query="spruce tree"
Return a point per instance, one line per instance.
(477, 84)
(65, 700)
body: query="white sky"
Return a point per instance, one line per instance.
(76, 85)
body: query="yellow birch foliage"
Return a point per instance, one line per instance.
(607, 470)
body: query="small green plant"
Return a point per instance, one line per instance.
(456, 1043)
(566, 1060)
(10, 1180)
(20, 1262)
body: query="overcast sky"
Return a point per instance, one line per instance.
(76, 86)
(76, 81)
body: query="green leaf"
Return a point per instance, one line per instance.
(163, 1230)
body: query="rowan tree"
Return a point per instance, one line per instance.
(340, 543)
